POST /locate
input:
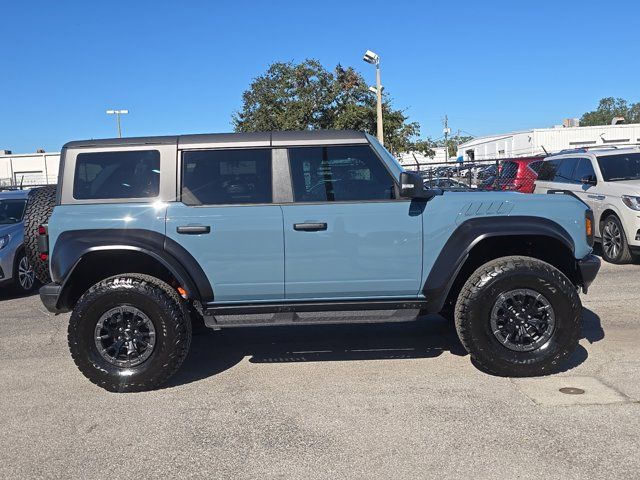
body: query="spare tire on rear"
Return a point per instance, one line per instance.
(39, 207)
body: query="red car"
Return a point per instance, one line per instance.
(518, 174)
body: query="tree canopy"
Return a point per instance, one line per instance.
(306, 96)
(608, 108)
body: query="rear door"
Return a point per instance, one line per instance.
(346, 234)
(227, 220)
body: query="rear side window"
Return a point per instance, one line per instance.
(226, 177)
(340, 173)
(535, 166)
(107, 175)
(548, 170)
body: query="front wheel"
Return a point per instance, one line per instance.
(518, 317)
(615, 248)
(129, 333)
(23, 274)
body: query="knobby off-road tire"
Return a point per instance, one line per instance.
(487, 289)
(158, 303)
(39, 207)
(615, 248)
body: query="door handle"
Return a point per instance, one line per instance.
(309, 227)
(193, 229)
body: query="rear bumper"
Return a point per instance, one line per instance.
(588, 267)
(49, 295)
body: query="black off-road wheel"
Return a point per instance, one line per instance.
(129, 333)
(39, 207)
(518, 317)
(615, 248)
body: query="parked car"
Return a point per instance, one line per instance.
(236, 230)
(518, 174)
(15, 270)
(608, 181)
(486, 172)
(447, 184)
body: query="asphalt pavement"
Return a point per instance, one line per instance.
(361, 401)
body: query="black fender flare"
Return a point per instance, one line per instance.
(72, 245)
(468, 234)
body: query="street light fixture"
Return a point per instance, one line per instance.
(117, 113)
(374, 59)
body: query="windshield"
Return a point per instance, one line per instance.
(620, 167)
(11, 211)
(391, 161)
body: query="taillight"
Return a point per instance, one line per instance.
(43, 243)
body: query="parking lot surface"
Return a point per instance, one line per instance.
(361, 401)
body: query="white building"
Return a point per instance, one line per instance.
(416, 160)
(534, 142)
(28, 168)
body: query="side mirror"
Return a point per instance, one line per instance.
(412, 186)
(589, 180)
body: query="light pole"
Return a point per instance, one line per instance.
(117, 113)
(374, 59)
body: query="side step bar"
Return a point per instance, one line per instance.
(312, 313)
(243, 309)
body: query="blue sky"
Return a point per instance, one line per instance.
(181, 66)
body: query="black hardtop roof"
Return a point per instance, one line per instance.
(255, 139)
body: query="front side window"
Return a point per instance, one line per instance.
(226, 177)
(564, 174)
(620, 167)
(583, 169)
(112, 175)
(11, 211)
(339, 173)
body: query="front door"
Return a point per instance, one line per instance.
(227, 222)
(346, 235)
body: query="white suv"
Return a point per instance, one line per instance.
(608, 180)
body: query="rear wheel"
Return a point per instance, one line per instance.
(518, 317)
(39, 207)
(129, 333)
(615, 248)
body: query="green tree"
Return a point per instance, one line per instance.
(608, 108)
(306, 96)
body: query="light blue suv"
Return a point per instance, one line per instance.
(238, 230)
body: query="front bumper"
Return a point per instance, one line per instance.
(588, 267)
(49, 295)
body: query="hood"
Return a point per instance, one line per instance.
(622, 187)
(11, 229)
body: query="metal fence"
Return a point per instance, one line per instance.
(514, 174)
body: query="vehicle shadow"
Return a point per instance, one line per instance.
(597, 250)
(214, 352)
(9, 293)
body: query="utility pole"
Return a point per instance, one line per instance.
(446, 132)
(374, 59)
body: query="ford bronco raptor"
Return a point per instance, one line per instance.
(144, 236)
